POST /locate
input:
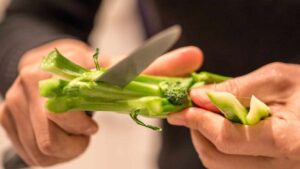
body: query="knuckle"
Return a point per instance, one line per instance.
(48, 147)
(277, 73)
(31, 73)
(193, 119)
(224, 142)
(74, 126)
(27, 73)
(30, 76)
(276, 70)
(11, 98)
(232, 86)
(276, 65)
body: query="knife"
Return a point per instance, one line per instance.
(123, 72)
(127, 69)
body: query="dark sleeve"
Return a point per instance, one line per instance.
(29, 23)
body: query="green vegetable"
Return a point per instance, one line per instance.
(233, 110)
(258, 110)
(75, 89)
(229, 106)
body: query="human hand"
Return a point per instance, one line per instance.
(40, 137)
(272, 143)
(43, 138)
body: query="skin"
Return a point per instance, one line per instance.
(42, 138)
(272, 143)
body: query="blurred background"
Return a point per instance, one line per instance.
(4, 143)
(120, 143)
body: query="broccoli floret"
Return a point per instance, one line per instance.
(175, 91)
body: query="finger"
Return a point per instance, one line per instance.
(212, 158)
(84, 56)
(51, 139)
(200, 98)
(17, 104)
(265, 83)
(77, 51)
(232, 138)
(11, 131)
(179, 62)
(75, 122)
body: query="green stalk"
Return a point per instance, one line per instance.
(67, 103)
(208, 77)
(79, 87)
(229, 106)
(150, 106)
(157, 79)
(235, 111)
(258, 111)
(52, 87)
(150, 96)
(59, 65)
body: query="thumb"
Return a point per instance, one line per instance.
(265, 83)
(178, 62)
(233, 86)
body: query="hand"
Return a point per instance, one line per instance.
(40, 137)
(272, 143)
(43, 138)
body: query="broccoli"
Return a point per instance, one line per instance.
(76, 88)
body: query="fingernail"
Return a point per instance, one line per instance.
(176, 120)
(91, 130)
(201, 94)
(200, 97)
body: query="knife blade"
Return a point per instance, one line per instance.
(127, 69)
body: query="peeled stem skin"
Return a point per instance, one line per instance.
(233, 110)
(258, 111)
(56, 63)
(229, 106)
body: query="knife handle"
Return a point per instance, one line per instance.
(11, 160)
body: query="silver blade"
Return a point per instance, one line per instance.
(130, 67)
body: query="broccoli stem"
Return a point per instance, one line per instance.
(110, 92)
(208, 77)
(235, 111)
(258, 110)
(146, 95)
(229, 105)
(150, 106)
(56, 63)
